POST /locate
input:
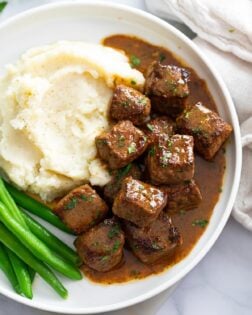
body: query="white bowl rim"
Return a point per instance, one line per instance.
(238, 152)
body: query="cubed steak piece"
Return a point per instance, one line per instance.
(208, 129)
(113, 187)
(128, 103)
(152, 242)
(81, 209)
(171, 160)
(123, 144)
(161, 125)
(138, 202)
(101, 248)
(167, 87)
(182, 197)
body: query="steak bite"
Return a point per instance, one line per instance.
(128, 103)
(208, 129)
(161, 125)
(171, 160)
(113, 187)
(123, 144)
(101, 248)
(152, 242)
(138, 202)
(182, 197)
(167, 87)
(81, 209)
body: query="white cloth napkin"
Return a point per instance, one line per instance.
(224, 29)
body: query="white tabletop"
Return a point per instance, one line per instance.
(220, 285)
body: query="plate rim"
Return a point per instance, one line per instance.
(238, 163)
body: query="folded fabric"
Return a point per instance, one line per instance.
(224, 30)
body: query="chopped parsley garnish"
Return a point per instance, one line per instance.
(187, 114)
(101, 141)
(182, 212)
(135, 273)
(169, 143)
(114, 231)
(125, 103)
(220, 189)
(154, 245)
(200, 222)
(150, 127)
(123, 171)
(162, 57)
(132, 148)
(133, 82)
(71, 204)
(134, 61)
(152, 151)
(231, 30)
(121, 141)
(143, 101)
(3, 4)
(116, 246)
(197, 131)
(172, 87)
(104, 258)
(87, 198)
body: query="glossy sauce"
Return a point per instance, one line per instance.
(209, 175)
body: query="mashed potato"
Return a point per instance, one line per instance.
(53, 103)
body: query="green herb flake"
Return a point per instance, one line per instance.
(121, 141)
(182, 212)
(186, 115)
(134, 61)
(220, 189)
(116, 246)
(101, 141)
(162, 57)
(152, 151)
(132, 148)
(169, 143)
(104, 258)
(3, 4)
(155, 245)
(87, 198)
(150, 127)
(143, 101)
(231, 30)
(125, 103)
(197, 131)
(135, 273)
(133, 82)
(71, 204)
(123, 171)
(200, 222)
(114, 231)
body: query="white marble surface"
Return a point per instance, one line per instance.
(220, 285)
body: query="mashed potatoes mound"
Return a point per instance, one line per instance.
(53, 103)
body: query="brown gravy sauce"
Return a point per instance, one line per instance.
(209, 175)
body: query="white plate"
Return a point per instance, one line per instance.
(91, 21)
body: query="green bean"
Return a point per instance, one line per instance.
(38, 248)
(51, 240)
(22, 274)
(36, 207)
(17, 247)
(32, 273)
(7, 200)
(6, 267)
